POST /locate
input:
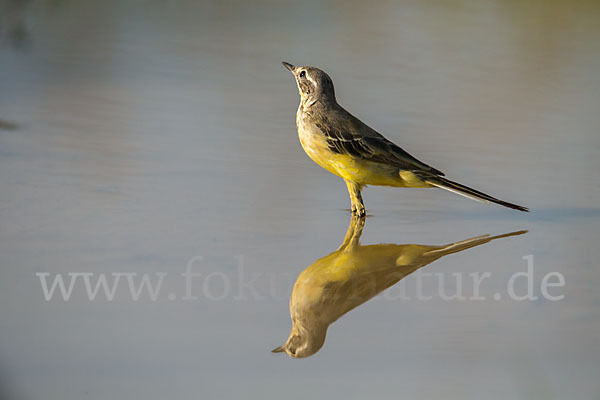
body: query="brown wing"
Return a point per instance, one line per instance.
(358, 140)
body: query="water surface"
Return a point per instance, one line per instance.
(139, 136)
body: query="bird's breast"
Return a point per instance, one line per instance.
(314, 143)
(348, 167)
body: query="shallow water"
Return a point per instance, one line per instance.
(149, 137)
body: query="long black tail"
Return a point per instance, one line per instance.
(467, 191)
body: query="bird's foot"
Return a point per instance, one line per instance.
(359, 212)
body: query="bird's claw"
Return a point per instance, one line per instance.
(359, 212)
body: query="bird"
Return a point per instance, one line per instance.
(350, 276)
(347, 147)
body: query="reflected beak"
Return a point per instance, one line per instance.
(289, 66)
(280, 348)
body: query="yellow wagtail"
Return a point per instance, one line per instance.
(351, 275)
(348, 148)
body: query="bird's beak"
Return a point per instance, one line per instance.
(289, 66)
(279, 349)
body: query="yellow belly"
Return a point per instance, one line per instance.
(357, 170)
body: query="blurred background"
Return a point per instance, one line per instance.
(136, 135)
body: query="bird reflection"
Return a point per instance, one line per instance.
(351, 275)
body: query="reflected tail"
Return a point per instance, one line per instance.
(468, 243)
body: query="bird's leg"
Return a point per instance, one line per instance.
(357, 205)
(351, 241)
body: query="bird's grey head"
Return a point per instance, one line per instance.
(314, 85)
(303, 343)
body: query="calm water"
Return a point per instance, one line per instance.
(146, 136)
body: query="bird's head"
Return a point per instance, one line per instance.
(313, 84)
(303, 343)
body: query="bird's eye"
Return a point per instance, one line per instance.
(292, 350)
(302, 74)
